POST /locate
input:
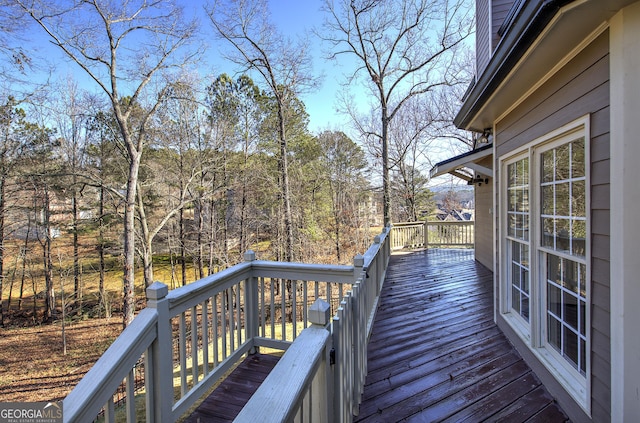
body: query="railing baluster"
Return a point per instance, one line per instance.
(283, 304)
(294, 307)
(239, 324)
(273, 308)
(205, 337)
(130, 399)
(109, 412)
(216, 333)
(232, 325)
(305, 300)
(223, 309)
(182, 342)
(263, 308)
(194, 345)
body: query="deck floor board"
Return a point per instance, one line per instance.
(226, 401)
(436, 354)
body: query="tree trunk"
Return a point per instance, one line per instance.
(386, 189)
(183, 257)
(128, 281)
(77, 287)
(104, 303)
(50, 298)
(286, 192)
(2, 193)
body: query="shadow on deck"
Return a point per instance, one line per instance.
(435, 353)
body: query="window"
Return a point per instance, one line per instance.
(563, 242)
(518, 236)
(545, 289)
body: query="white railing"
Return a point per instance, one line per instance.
(187, 339)
(439, 234)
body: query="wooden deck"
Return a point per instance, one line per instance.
(435, 353)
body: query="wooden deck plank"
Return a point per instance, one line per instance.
(226, 401)
(435, 353)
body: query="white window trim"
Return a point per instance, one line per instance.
(533, 333)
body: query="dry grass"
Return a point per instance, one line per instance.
(34, 367)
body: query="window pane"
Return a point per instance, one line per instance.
(583, 315)
(562, 163)
(570, 275)
(583, 278)
(570, 310)
(554, 269)
(554, 333)
(524, 255)
(577, 159)
(513, 200)
(547, 166)
(583, 355)
(511, 174)
(515, 300)
(578, 237)
(578, 199)
(525, 308)
(562, 199)
(511, 224)
(562, 235)
(570, 348)
(548, 231)
(548, 200)
(555, 298)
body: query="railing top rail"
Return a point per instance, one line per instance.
(404, 224)
(303, 271)
(373, 250)
(451, 222)
(196, 292)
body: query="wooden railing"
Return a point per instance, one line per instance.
(187, 339)
(435, 234)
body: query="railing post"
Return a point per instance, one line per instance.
(322, 406)
(425, 231)
(252, 303)
(160, 364)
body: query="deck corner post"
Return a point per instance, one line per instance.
(358, 267)
(252, 303)
(249, 255)
(425, 233)
(158, 407)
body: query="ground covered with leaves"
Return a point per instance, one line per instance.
(33, 366)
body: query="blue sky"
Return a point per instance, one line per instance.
(297, 17)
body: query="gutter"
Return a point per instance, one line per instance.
(534, 16)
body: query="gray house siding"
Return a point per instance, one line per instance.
(484, 220)
(579, 88)
(499, 12)
(483, 38)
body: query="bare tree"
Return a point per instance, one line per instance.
(283, 64)
(404, 49)
(124, 47)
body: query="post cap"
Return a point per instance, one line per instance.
(319, 312)
(157, 290)
(249, 255)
